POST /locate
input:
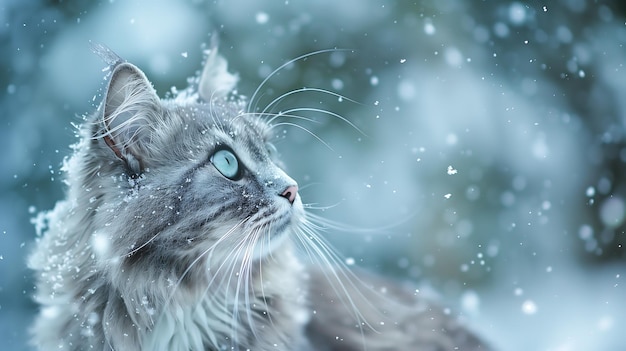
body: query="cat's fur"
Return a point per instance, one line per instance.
(153, 248)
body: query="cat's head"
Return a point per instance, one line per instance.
(172, 182)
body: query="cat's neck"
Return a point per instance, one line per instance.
(238, 312)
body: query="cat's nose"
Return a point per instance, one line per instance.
(290, 193)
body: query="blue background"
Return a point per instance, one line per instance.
(489, 168)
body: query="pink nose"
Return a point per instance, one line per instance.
(290, 193)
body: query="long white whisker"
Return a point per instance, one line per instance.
(380, 230)
(240, 256)
(133, 251)
(313, 206)
(327, 256)
(282, 114)
(246, 272)
(211, 248)
(301, 57)
(329, 252)
(305, 89)
(326, 112)
(208, 251)
(304, 129)
(268, 239)
(339, 288)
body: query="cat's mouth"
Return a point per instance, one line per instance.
(276, 230)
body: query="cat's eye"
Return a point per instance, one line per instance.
(226, 163)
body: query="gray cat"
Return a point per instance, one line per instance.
(179, 232)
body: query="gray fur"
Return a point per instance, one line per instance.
(154, 249)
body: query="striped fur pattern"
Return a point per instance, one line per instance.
(154, 248)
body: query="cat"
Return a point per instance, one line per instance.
(180, 230)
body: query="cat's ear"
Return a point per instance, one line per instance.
(131, 112)
(215, 80)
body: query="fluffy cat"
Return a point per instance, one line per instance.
(179, 232)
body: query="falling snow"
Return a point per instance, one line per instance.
(262, 18)
(429, 28)
(529, 307)
(518, 101)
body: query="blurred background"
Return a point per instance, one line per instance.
(488, 166)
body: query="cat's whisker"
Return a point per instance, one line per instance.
(205, 252)
(229, 262)
(287, 115)
(333, 268)
(311, 206)
(334, 280)
(329, 254)
(250, 110)
(211, 248)
(241, 256)
(304, 129)
(246, 274)
(336, 268)
(274, 102)
(268, 239)
(219, 124)
(138, 248)
(322, 111)
(263, 295)
(253, 100)
(303, 90)
(341, 227)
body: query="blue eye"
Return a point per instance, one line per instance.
(226, 163)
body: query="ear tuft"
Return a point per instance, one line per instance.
(215, 80)
(106, 54)
(131, 112)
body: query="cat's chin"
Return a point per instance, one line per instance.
(277, 241)
(279, 237)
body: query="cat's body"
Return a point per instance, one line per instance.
(178, 233)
